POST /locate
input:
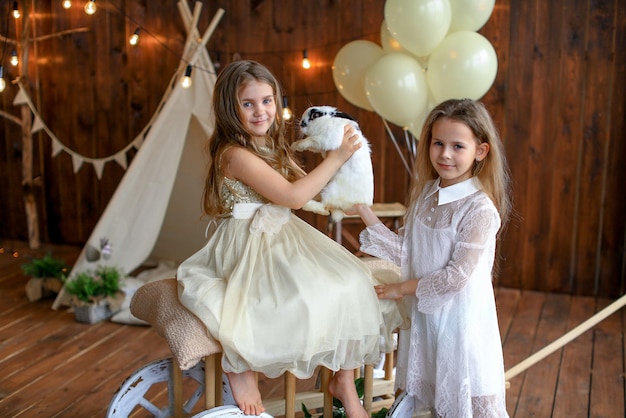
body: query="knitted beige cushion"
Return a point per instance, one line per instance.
(157, 303)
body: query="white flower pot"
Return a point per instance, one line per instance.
(90, 314)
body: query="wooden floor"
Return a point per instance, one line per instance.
(53, 366)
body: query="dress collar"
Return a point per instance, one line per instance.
(456, 191)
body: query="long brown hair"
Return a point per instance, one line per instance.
(492, 171)
(230, 131)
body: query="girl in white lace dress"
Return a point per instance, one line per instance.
(278, 294)
(450, 360)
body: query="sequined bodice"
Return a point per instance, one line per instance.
(234, 191)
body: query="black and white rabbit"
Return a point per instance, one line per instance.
(354, 182)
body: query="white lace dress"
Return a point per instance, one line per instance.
(279, 295)
(451, 357)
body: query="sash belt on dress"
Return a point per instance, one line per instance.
(245, 210)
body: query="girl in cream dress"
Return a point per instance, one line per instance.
(278, 294)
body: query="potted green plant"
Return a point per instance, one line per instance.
(46, 276)
(96, 294)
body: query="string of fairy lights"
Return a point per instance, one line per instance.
(90, 7)
(9, 251)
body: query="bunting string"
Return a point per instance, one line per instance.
(22, 98)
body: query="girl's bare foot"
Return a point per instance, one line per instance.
(246, 392)
(342, 387)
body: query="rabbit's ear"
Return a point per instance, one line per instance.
(344, 116)
(316, 113)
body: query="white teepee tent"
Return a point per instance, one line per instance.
(156, 209)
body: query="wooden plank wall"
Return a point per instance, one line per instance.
(558, 100)
(563, 116)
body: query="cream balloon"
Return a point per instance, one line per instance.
(419, 25)
(464, 65)
(470, 14)
(415, 127)
(389, 43)
(396, 88)
(349, 70)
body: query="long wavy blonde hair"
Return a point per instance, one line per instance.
(230, 131)
(492, 171)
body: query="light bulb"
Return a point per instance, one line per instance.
(67, 4)
(14, 60)
(187, 78)
(216, 62)
(134, 38)
(90, 7)
(287, 113)
(16, 11)
(306, 64)
(3, 84)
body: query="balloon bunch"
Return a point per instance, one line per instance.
(430, 52)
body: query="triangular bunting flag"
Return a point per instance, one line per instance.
(20, 98)
(98, 165)
(37, 125)
(120, 158)
(77, 162)
(56, 147)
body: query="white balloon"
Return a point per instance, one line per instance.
(389, 43)
(396, 88)
(415, 127)
(419, 25)
(464, 65)
(349, 70)
(470, 14)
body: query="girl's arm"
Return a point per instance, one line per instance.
(241, 164)
(472, 257)
(397, 290)
(367, 215)
(377, 239)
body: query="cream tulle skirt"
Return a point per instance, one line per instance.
(281, 296)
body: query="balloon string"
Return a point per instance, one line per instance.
(395, 143)
(410, 144)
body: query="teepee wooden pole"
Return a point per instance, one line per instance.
(207, 34)
(560, 342)
(191, 21)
